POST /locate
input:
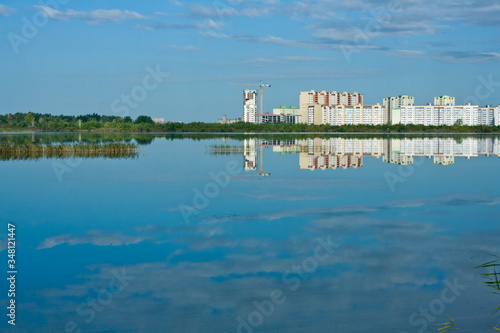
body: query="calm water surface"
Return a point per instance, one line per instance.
(346, 234)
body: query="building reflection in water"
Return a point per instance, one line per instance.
(249, 155)
(340, 152)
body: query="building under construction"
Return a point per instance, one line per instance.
(249, 106)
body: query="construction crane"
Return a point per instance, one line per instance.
(261, 85)
(261, 158)
(261, 174)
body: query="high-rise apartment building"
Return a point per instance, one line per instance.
(394, 102)
(249, 155)
(443, 112)
(349, 115)
(444, 100)
(249, 106)
(488, 115)
(330, 98)
(435, 115)
(333, 108)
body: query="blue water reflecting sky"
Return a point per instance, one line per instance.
(384, 239)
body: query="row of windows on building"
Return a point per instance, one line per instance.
(345, 115)
(345, 108)
(470, 115)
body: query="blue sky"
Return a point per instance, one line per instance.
(78, 57)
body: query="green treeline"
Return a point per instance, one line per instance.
(94, 122)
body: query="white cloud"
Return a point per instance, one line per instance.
(94, 237)
(94, 17)
(366, 32)
(450, 200)
(311, 10)
(214, 34)
(254, 12)
(467, 57)
(457, 57)
(219, 11)
(314, 44)
(184, 48)
(6, 11)
(351, 26)
(207, 24)
(408, 53)
(225, 10)
(145, 27)
(366, 20)
(177, 3)
(477, 13)
(405, 272)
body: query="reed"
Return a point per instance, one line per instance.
(225, 149)
(30, 151)
(491, 280)
(492, 277)
(448, 326)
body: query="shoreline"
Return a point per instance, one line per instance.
(2, 132)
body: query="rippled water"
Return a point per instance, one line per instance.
(202, 233)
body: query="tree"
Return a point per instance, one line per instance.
(144, 120)
(29, 120)
(127, 119)
(459, 122)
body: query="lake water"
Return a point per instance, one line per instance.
(202, 233)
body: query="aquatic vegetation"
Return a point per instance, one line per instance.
(30, 150)
(448, 326)
(225, 149)
(491, 280)
(492, 277)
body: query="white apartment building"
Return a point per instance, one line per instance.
(444, 100)
(351, 115)
(226, 120)
(443, 112)
(249, 106)
(496, 116)
(395, 102)
(470, 115)
(158, 120)
(488, 115)
(442, 150)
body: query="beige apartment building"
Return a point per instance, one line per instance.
(336, 109)
(338, 153)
